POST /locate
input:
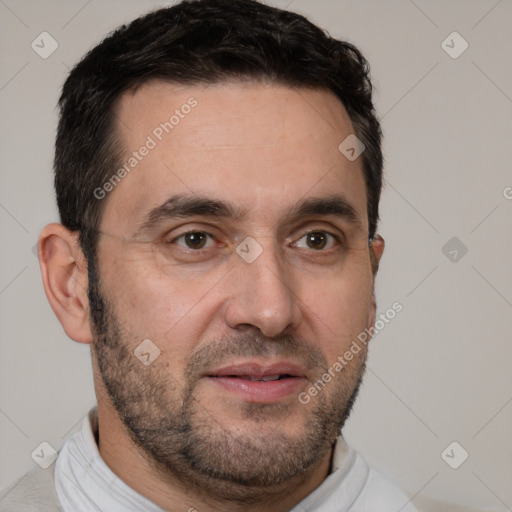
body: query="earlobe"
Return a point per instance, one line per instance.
(64, 273)
(376, 250)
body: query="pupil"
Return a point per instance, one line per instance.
(317, 240)
(196, 240)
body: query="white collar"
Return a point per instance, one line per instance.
(84, 482)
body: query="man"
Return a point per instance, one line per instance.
(218, 172)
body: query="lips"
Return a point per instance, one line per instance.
(267, 378)
(261, 383)
(256, 371)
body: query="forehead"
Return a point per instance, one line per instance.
(262, 147)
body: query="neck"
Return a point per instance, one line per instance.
(138, 471)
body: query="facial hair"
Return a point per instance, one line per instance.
(180, 438)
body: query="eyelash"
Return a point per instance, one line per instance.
(189, 249)
(190, 233)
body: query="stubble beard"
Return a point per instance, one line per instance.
(184, 443)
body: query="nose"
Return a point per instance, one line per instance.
(262, 296)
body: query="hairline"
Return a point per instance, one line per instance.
(116, 136)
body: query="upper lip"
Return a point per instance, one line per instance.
(253, 369)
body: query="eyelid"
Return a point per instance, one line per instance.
(312, 226)
(185, 233)
(210, 231)
(338, 239)
(189, 227)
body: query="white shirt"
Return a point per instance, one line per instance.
(85, 483)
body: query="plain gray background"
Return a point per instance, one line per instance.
(440, 370)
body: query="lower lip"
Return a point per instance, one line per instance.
(257, 391)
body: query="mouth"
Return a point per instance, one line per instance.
(253, 378)
(260, 383)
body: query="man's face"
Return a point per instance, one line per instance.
(231, 314)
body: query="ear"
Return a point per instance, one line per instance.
(376, 250)
(64, 273)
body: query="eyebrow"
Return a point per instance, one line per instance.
(183, 206)
(333, 205)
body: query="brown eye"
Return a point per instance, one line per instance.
(193, 239)
(316, 240)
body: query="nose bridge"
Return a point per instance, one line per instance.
(263, 294)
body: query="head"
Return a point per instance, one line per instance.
(207, 209)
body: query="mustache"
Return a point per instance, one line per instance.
(215, 353)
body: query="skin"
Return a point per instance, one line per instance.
(262, 148)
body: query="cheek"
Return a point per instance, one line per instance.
(172, 312)
(339, 309)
